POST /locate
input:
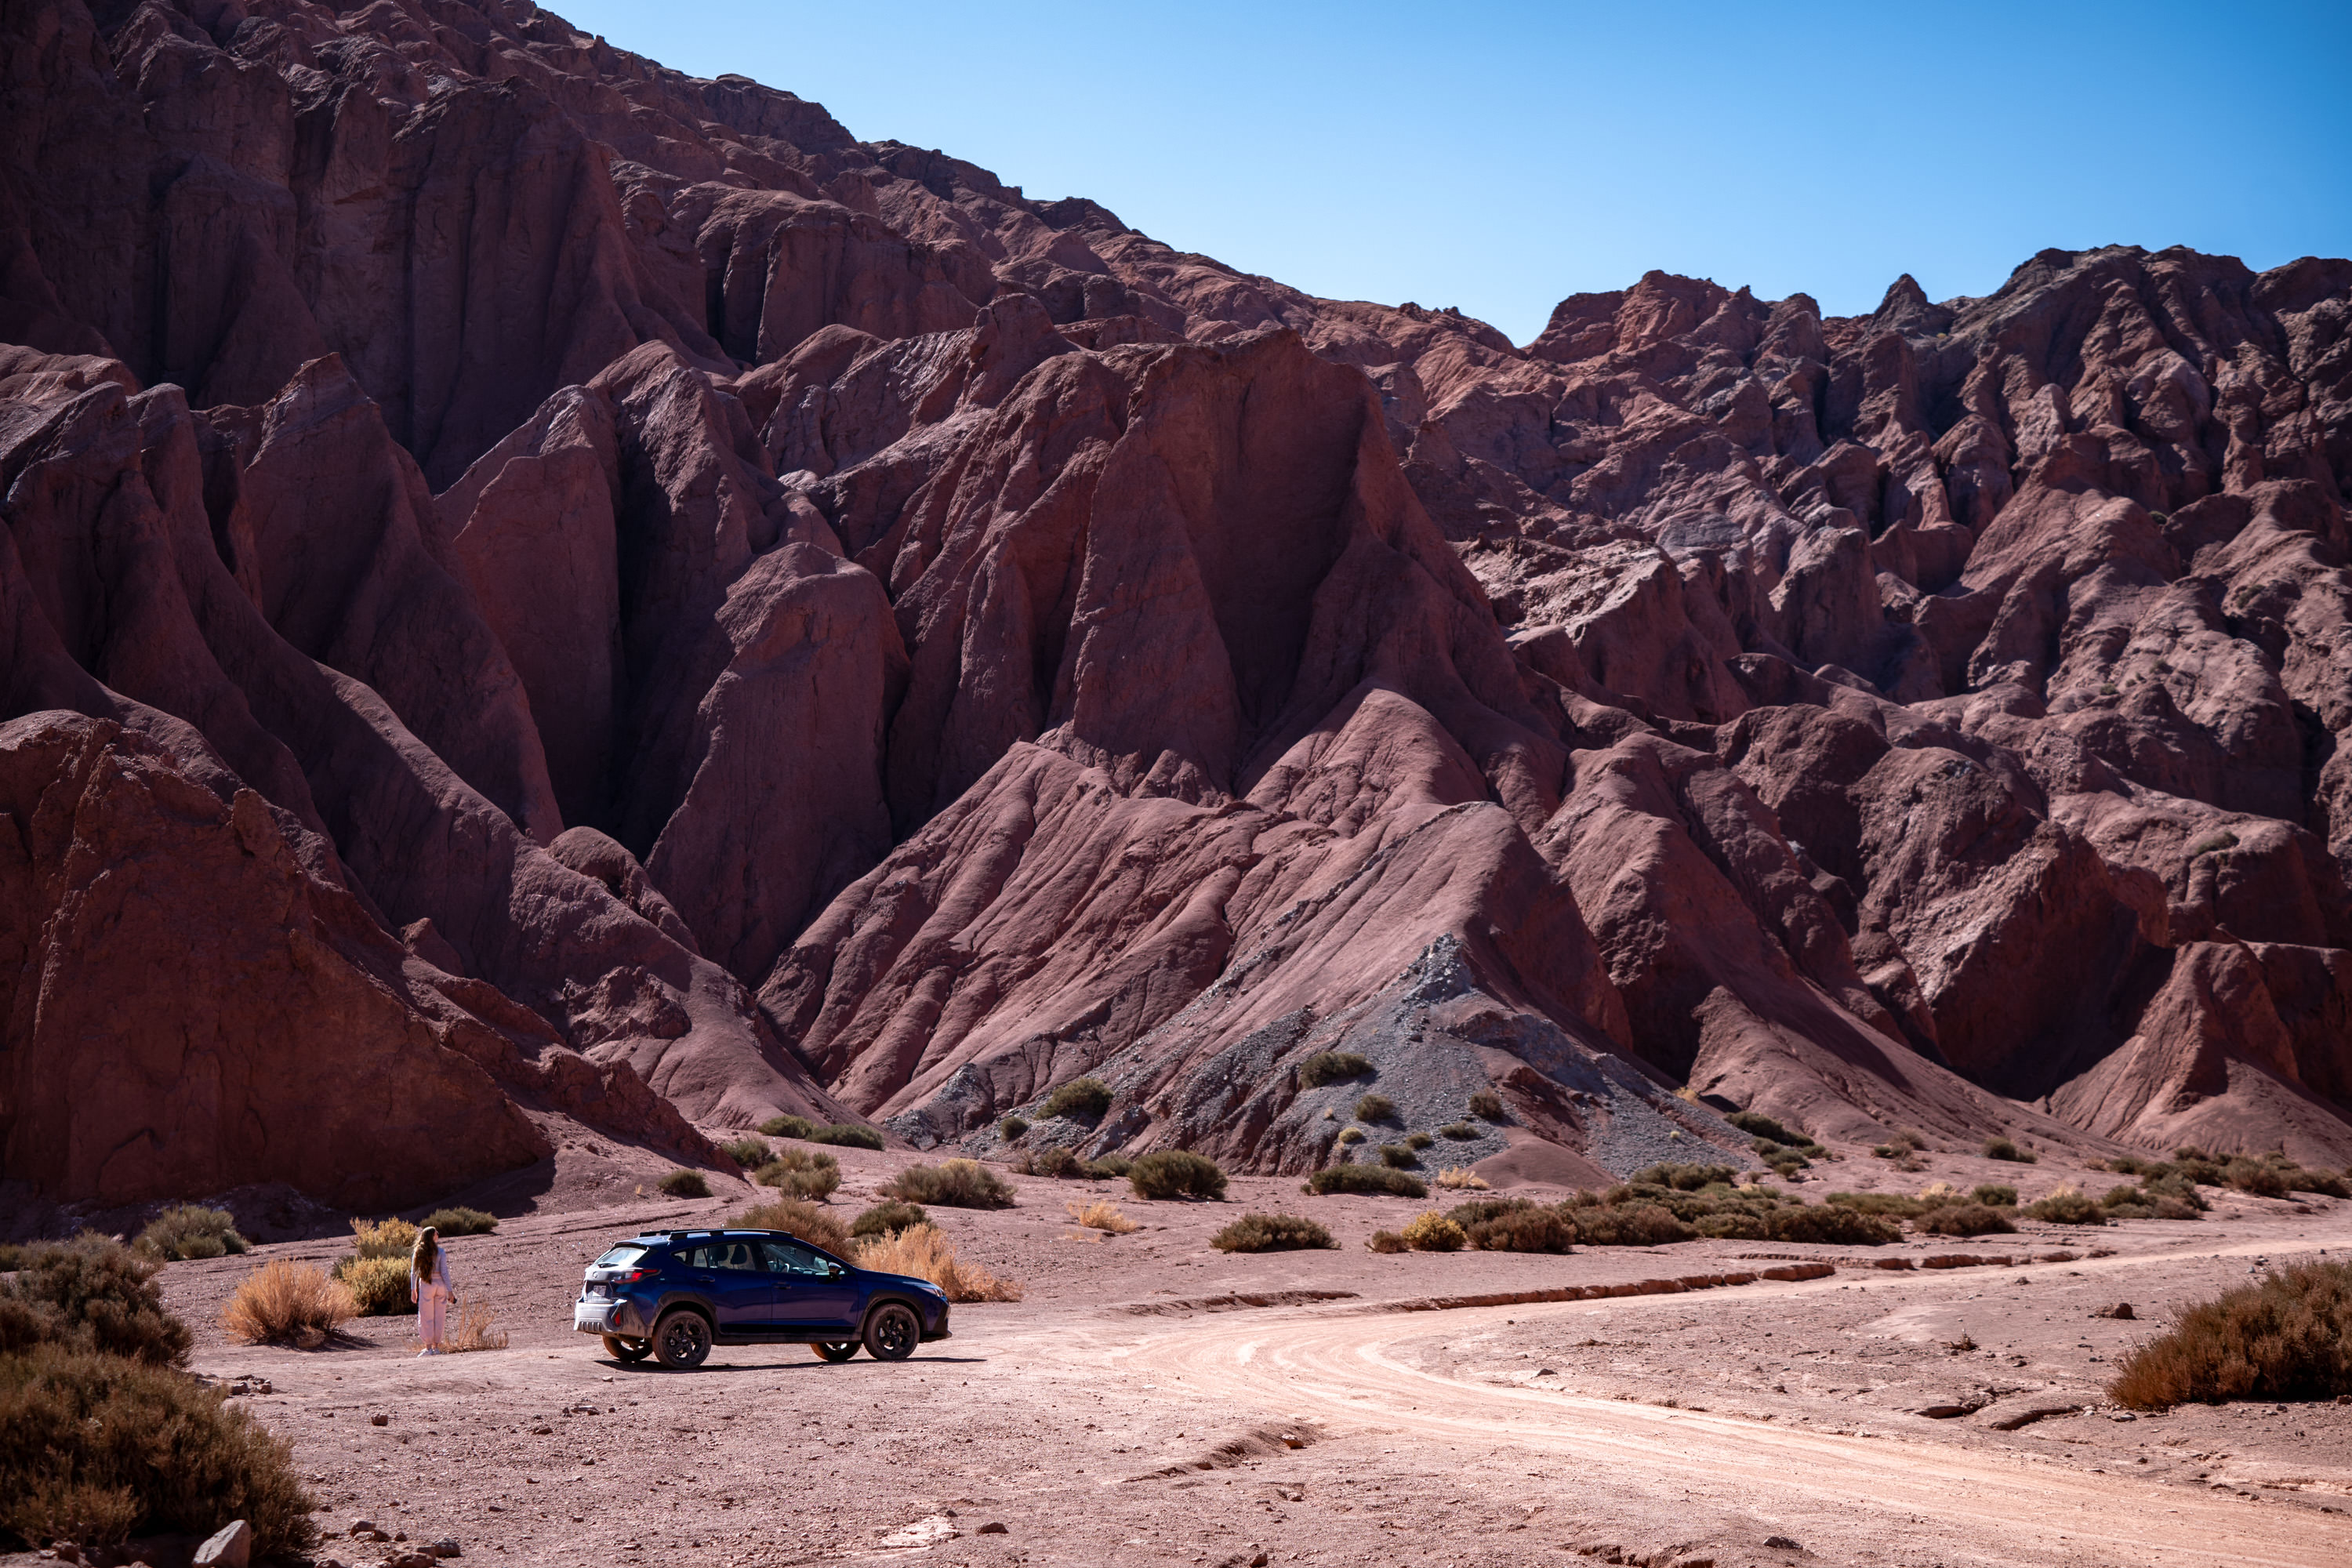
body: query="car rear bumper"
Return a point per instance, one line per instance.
(592, 1315)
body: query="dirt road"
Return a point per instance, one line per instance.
(1940, 1501)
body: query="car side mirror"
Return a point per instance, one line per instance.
(835, 1271)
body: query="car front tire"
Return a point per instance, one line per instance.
(623, 1349)
(835, 1352)
(892, 1332)
(681, 1341)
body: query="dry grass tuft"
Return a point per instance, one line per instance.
(286, 1303)
(952, 1184)
(476, 1329)
(379, 1285)
(2287, 1337)
(922, 1252)
(1462, 1179)
(1101, 1215)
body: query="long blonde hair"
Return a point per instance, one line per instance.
(428, 1251)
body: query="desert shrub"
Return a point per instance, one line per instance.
(920, 1252)
(2259, 1177)
(797, 1216)
(1682, 1178)
(1271, 1233)
(1101, 1215)
(1477, 1210)
(97, 1449)
(1832, 1225)
(286, 1303)
(1375, 1108)
(1461, 1178)
(1331, 1067)
(379, 1285)
(1529, 1229)
(2064, 1206)
(1460, 1131)
(1059, 1162)
(2123, 1194)
(1992, 1195)
(1108, 1167)
(1387, 1241)
(1397, 1157)
(1634, 1224)
(952, 1184)
(1011, 1127)
(1898, 1204)
(2289, 1336)
(2003, 1149)
(90, 1294)
(1964, 1219)
(1351, 1135)
(886, 1217)
(2299, 1179)
(1735, 1224)
(1176, 1173)
(809, 1173)
(1432, 1232)
(685, 1183)
(1487, 1105)
(747, 1152)
(1081, 1100)
(1417, 1142)
(846, 1135)
(11, 1255)
(1375, 1179)
(788, 1127)
(462, 1222)
(1756, 1124)
(383, 1238)
(190, 1230)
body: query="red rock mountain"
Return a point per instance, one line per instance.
(536, 589)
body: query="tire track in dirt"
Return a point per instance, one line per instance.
(1351, 1370)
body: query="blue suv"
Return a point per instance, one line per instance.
(674, 1294)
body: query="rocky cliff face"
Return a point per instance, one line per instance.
(615, 600)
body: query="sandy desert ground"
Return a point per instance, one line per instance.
(1136, 1407)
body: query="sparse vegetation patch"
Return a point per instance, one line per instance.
(2289, 1336)
(1332, 1066)
(190, 1230)
(685, 1183)
(1176, 1173)
(1373, 1179)
(953, 1184)
(1271, 1233)
(1081, 1100)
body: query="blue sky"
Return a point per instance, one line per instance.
(1498, 156)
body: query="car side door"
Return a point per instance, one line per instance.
(729, 1272)
(812, 1292)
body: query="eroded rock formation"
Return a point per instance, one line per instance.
(777, 621)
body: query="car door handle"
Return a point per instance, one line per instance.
(706, 1278)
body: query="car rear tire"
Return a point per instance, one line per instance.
(620, 1348)
(835, 1352)
(681, 1341)
(892, 1332)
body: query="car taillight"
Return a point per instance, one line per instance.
(633, 1274)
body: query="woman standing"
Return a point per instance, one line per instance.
(429, 1288)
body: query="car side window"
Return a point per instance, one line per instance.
(731, 1256)
(790, 1257)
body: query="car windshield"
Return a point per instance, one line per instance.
(620, 1256)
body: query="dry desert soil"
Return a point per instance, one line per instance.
(1152, 1400)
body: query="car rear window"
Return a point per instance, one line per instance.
(619, 1257)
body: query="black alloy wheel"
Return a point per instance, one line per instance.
(681, 1341)
(623, 1349)
(892, 1332)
